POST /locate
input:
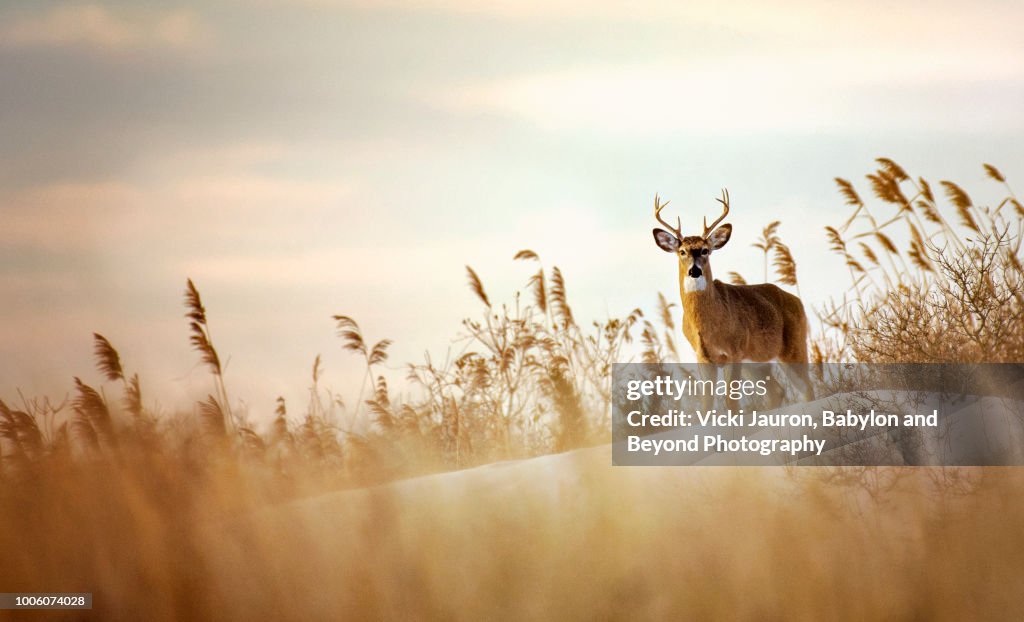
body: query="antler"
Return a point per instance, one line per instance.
(658, 206)
(725, 204)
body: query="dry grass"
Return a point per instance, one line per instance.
(203, 516)
(959, 297)
(559, 537)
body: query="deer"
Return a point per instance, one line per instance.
(728, 324)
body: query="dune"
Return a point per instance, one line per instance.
(569, 536)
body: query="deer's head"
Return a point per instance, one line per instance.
(694, 251)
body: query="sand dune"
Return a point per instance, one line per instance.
(569, 536)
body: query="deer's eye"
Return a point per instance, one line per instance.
(704, 251)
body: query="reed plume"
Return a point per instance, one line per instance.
(477, 286)
(784, 264)
(107, 359)
(213, 417)
(959, 198)
(769, 238)
(93, 413)
(202, 342)
(353, 341)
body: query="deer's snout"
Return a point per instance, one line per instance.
(695, 272)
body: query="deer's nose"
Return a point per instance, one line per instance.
(695, 272)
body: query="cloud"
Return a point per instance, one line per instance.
(951, 21)
(64, 217)
(752, 92)
(92, 26)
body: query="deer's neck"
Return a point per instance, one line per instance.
(700, 298)
(696, 290)
(702, 311)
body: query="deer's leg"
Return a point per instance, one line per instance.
(733, 371)
(776, 390)
(707, 370)
(795, 356)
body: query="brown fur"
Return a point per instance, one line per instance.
(766, 323)
(731, 323)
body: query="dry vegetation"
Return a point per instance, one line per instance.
(529, 380)
(161, 517)
(954, 294)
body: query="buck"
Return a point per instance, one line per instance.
(732, 323)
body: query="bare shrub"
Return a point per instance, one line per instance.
(954, 292)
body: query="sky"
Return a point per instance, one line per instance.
(299, 159)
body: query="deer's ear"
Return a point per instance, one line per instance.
(666, 241)
(720, 236)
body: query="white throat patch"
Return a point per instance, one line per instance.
(698, 284)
